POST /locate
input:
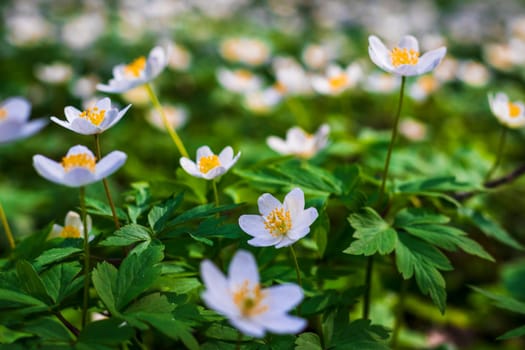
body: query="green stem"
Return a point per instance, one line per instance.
(86, 256)
(368, 287)
(7, 229)
(392, 139)
(215, 192)
(239, 340)
(174, 136)
(298, 272)
(501, 146)
(399, 313)
(106, 185)
(66, 323)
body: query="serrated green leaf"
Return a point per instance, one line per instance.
(373, 234)
(96, 207)
(153, 303)
(106, 332)
(60, 281)
(104, 278)
(56, 255)
(200, 212)
(308, 341)
(127, 235)
(418, 216)
(159, 214)
(359, 335)
(31, 282)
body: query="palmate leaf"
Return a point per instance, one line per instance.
(31, 282)
(109, 332)
(159, 214)
(308, 341)
(60, 281)
(374, 235)
(359, 335)
(126, 235)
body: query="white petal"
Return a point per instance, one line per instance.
(430, 60)
(109, 164)
(253, 225)
(190, 167)
(73, 219)
(226, 155)
(294, 202)
(77, 149)
(79, 176)
(297, 233)
(217, 294)
(408, 42)
(48, 169)
(213, 173)
(156, 62)
(267, 203)
(104, 104)
(406, 70)
(278, 145)
(242, 268)
(285, 242)
(282, 324)
(379, 54)
(84, 127)
(71, 113)
(248, 327)
(56, 230)
(203, 151)
(118, 117)
(282, 298)
(267, 241)
(32, 127)
(18, 108)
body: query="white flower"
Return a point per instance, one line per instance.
(246, 50)
(249, 308)
(176, 115)
(73, 227)
(381, 82)
(291, 77)
(94, 120)
(336, 80)
(208, 165)
(511, 114)
(473, 73)
(239, 80)
(54, 73)
(262, 101)
(78, 167)
(138, 72)
(300, 143)
(279, 225)
(14, 124)
(404, 58)
(179, 57)
(423, 87)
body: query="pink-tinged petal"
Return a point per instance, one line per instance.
(267, 203)
(282, 324)
(248, 327)
(48, 169)
(71, 113)
(17, 108)
(285, 242)
(77, 177)
(217, 294)
(103, 104)
(190, 167)
(379, 54)
(267, 241)
(109, 164)
(204, 151)
(278, 145)
(430, 60)
(294, 202)
(253, 225)
(408, 42)
(213, 173)
(242, 268)
(282, 298)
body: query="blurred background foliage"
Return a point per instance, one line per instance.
(54, 53)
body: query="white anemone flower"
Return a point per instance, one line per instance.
(141, 71)
(94, 120)
(279, 225)
(79, 167)
(404, 59)
(209, 165)
(300, 143)
(73, 227)
(14, 124)
(336, 80)
(238, 80)
(251, 309)
(245, 50)
(510, 114)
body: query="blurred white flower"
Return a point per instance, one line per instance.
(141, 71)
(336, 80)
(447, 69)
(209, 165)
(279, 225)
(300, 143)
(138, 96)
(73, 227)
(85, 86)
(262, 101)
(381, 82)
(54, 73)
(412, 129)
(81, 32)
(179, 58)
(249, 51)
(316, 56)
(251, 309)
(423, 87)
(291, 77)
(473, 73)
(239, 80)
(510, 114)
(25, 29)
(79, 167)
(404, 58)
(14, 124)
(177, 116)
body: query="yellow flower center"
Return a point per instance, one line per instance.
(3, 113)
(404, 56)
(278, 222)
(250, 301)
(136, 67)
(79, 160)
(208, 163)
(338, 81)
(94, 115)
(70, 232)
(514, 110)
(243, 74)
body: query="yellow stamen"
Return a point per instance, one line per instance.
(3, 113)
(278, 222)
(404, 56)
(250, 301)
(136, 67)
(208, 163)
(94, 115)
(70, 232)
(514, 110)
(338, 81)
(79, 160)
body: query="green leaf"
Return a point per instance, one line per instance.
(200, 212)
(31, 283)
(106, 332)
(104, 278)
(11, 296)
(308, 341)
(9, 336)
(416, 257)
(159, 214)
(489, 227)
(56, 255)
(359, 335)
(127, 235)
(96, 207)
(503, 301)
(48, 329)
(60, 281)
(153, 303)
(436, 184)
(516, 332)
(32, 246)
(373, 234)
(418, 216)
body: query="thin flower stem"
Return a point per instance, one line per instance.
(298, 272)
(66, 323)
(174, 136)
(86, 256)
(106, 185)
(392, 139)
(239, 340)
(501, 146)
(399, 313)
(368, 287)
(7, 229)
(215, 192)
